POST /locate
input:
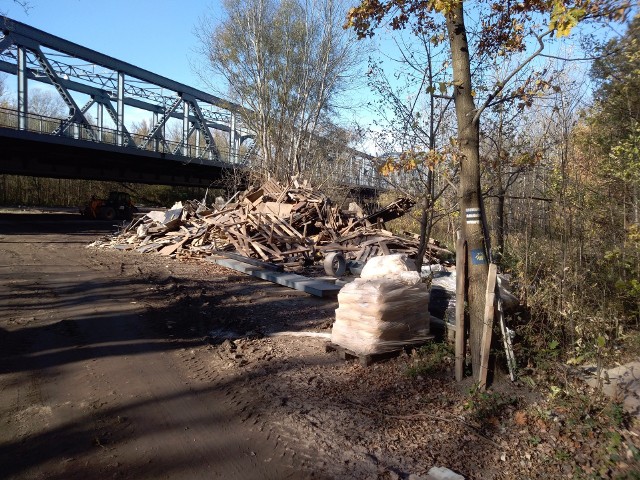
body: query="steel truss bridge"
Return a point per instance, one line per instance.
(191, 139)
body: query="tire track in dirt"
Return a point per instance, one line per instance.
(119, 404)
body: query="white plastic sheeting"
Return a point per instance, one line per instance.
(377, 315)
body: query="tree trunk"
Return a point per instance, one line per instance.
(426, 218)
(499, 245)
(469, 188)
(426, 222)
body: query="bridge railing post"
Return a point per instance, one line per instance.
(100, 121)
(120, 110)
(23, 107)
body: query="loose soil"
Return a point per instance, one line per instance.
(123, 365)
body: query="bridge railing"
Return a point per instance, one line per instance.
(58, 127)
(357, 171)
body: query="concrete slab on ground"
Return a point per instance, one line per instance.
(620, 383)
(319, 288)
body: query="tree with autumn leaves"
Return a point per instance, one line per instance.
(500, 29)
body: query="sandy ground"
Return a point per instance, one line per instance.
(100, 368)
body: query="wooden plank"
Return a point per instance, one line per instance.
(279, 209)
(370, 241)
(298, 206)
(273, 188)
(336, 247)
(487, 325)
(262, 226)
(460, 342)
(169, 249)
(384, 248)
(364, 255)
(271, 251)
(275, 228)
(255, 197)
(295, 251)
(258, 248)
(149, 247)
(283, 225)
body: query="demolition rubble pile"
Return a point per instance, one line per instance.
(291, 226)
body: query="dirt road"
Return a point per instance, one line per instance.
(100, 375)
(115, 364)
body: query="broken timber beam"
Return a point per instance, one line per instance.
(487, 325)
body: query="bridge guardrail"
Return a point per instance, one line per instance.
(357, 172)
(46, 125)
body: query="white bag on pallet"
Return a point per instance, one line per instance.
(387, 266)
(382, 314)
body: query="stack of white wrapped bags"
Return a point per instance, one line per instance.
(386, 309)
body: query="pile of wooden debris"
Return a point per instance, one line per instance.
(291, 226)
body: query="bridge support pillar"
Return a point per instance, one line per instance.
(100, 120)
(156, 140)
(120, 106)
(23, 103)
(185, 128)
(234, 140)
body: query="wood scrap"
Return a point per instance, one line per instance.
(487, 326)
(280, 224)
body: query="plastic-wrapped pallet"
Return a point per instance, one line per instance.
(377, 315)
(387, 266)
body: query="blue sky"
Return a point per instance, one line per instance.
(157, 35)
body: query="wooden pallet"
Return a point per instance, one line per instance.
(366, 359)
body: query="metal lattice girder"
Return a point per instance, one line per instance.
(84, 73)
(103, 100)
(98, 93)
(5, 43)
(213, 148)
(186, 135)
(75, 114)
(120, 109)
(201, 124)
(69, 121)
(73, 69)
(157, 128)
(249, 153)
(32, 54)
(71, 59)
(100, 121)
(114, 117)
